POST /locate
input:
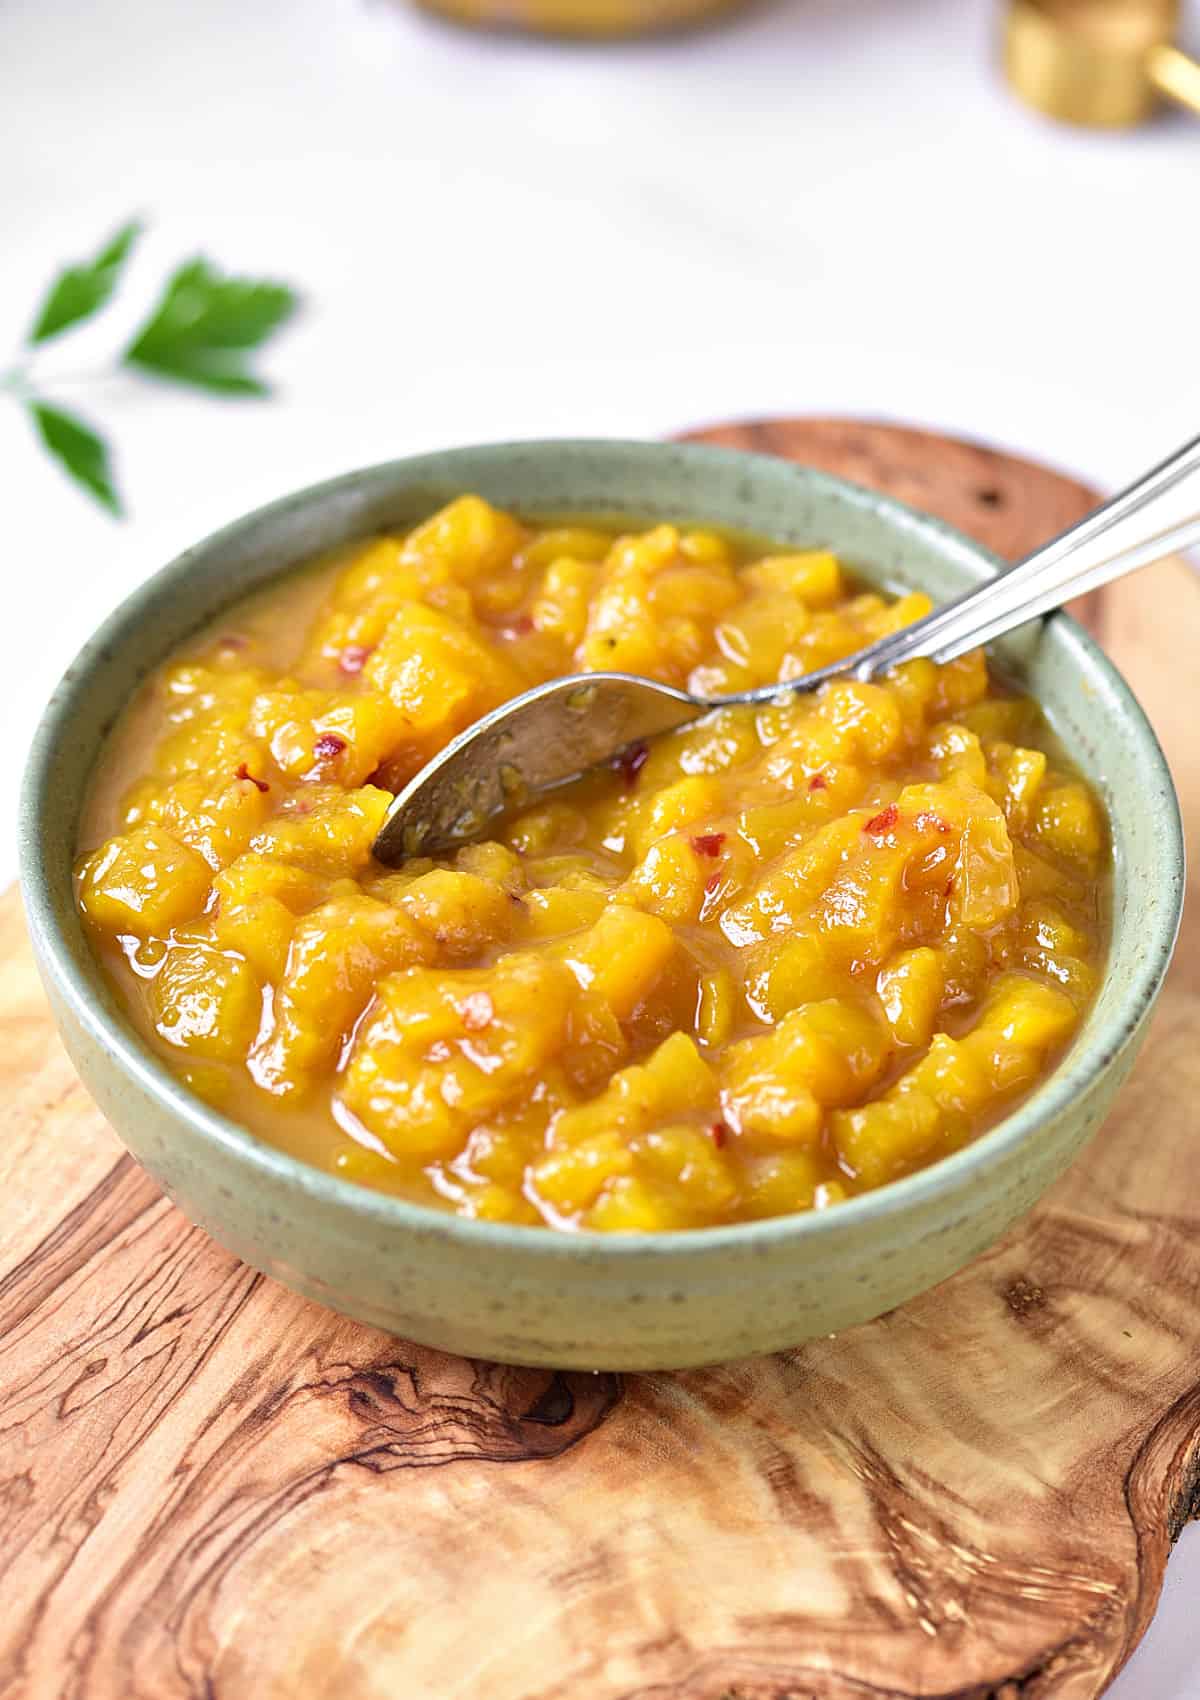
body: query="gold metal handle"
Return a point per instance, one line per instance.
(1175, 76)
(1098, 62)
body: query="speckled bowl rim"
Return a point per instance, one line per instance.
(1087, 1059)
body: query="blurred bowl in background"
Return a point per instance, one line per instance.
(524, 1295)
(595, 19)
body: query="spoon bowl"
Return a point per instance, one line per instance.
(529, 745)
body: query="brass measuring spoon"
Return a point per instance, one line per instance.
(1107, 63)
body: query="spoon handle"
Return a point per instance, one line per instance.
(1137, 527)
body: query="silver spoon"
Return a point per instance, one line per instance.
(557, 731)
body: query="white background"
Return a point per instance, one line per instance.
(827, 205)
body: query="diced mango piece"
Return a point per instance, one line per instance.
(716, 1008)
(255, 875)
(438, 673)
(689, 1162)
(575, 542)
(257, 903)
(560, 608)
(792, 886)
(1045, 927)
(261, 929)
(595, 1143)
(935, 1102)
(645, 552)
(783, 973)
(865, 717)
(328, 832)
(765, 1107)
(571, 1177)
(986, 889)
(628, 1205)
(438, 1053)
(337, 956)
(547, 828)
(673, 1080)
(469, 538)
(216, 818)
(557, 910)
(690, 801)
(910, 989)
(1024, 1014)
(142, 882)
(377, 582)
(326, 735)
(960, 683)
(459, 912)
(374, 570)
(694, 591)
(778, 1182)
(958, 754)
(198, 691)
(1057, 950)
(1020, 774)
(206, 1002)
(753, 641)
(887, 1138)
(620, 636)
(894, 616)
(671, 879)
(821, 1054)
(812, 575)
(621, 957)
(212, 744)
(494, 862)
(705, 547)
(1036, 877)
(1067, 822)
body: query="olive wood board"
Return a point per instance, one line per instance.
(213, 1490)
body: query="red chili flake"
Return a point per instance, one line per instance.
(712, 882)
(708, 843)
(818, 782)
(244, 772)
(630, 763)
(718, 1132)
(353, 658)
(522, 625)
(478, 1011)
(328, 745)
(883, 822)
(926, 821)
(233, 640)
(948, 887)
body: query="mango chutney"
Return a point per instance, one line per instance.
(780, 957)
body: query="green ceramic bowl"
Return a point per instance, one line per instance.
(532, 1296)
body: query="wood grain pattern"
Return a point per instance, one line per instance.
(213, 1490)
(1006, 503)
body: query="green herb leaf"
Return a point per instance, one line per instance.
(204, 324)
(80, 451)
(79, 291)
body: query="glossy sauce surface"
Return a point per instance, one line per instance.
(783, 956)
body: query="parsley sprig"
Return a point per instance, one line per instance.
(201, 332)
